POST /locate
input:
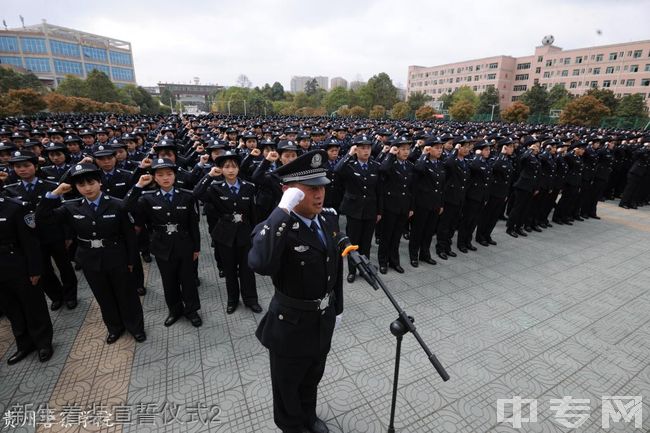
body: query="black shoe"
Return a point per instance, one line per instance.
(483, 243)
(195, 319)
(578, 219)
(624, 206)
(171, 319)
(221, 274)
(140, 337)
(462, 249)
(318, 426)
(520, 232)
(351, 278)
(544, 225)
(255, 307)
(567, 222)
(19, 356)
(557, 221)
(549, 225)
(415, 263)
(77, 267)
(491, 241)
(56, 305)
(44, 355)
(537, 229)
(398, 269)
(442, 255)
(429, 260)
(231, 308)
(471, 247)
(584, 216)
(450, 253)
(383, 269)
(141, 291)
(596, 217)
(112, 338)
(146, 257)
(529, 229)
(512, 233)
(71, 305)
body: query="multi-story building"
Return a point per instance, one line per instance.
(298, 83)
(354, 85)
(52, 52)
(199, 95)
(338, 82)
(623, 68)
(323, 82)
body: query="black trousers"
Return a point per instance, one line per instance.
(55, 289)
(520, 208)
(392, 227)
(490, 216)
(546, 205)
(567, 204)
(586, 197)
(468, 222)
(118, 302)
(239, 276)
(447, 226)
(598, 190)
(360, 233)
(424, 225)
(631, 191)
(179, 285)
(26, 309)
(136, 278)
(295, 387)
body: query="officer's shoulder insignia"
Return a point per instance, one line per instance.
(295, 226)
(106, 196)
(264, 229)
(30, 220)
(329, 211)
(149, 191)
(73, 200)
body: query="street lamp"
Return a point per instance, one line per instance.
(492, 115)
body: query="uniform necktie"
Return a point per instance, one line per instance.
(233, 190)
(168, 197)
(315, 229)
(93, 206)
(30, 187)
(108, 177)
(364, 166)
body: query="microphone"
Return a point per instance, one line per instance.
(360, 262)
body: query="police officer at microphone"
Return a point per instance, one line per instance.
(296, 246)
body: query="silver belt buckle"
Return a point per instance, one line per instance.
(171, 228)
(324, 303)
(237, 218)
(96, 243)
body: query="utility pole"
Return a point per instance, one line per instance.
(492, 115)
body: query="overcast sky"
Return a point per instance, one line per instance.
(271, 40)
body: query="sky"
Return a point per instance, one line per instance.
(272, 40)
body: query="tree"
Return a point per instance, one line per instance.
(487, 100)
(168, 98)
(446, 101)
(231, 100)
(343, 111)
(277, 92)
(584, 111)
(243, 81)
(518, 112)
(358, 111)
(335, 98)
(631, 106)
(605, 96)
(377, 112)
(417, 100)
(465, 93)
(462, 110)
(558, 97)
(536, 98)
(378, 91)
(10, 79)
(400, 111)
(100, 87)
(425, 113)
(73, 86)
(311, 87)
(29, 100)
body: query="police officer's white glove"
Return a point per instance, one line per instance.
(290, 199)
(339, 318)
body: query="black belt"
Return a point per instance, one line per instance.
(7, 248)
(98, 243)
(168, 228)
(305, 304)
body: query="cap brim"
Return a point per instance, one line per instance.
(317, 181)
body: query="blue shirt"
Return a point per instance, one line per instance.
(308, 222)
(33, 183)
(171, 192)
(96, 201)
(237, 185)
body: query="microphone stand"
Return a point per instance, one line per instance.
(399, 327)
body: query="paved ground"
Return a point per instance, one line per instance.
(561, 313)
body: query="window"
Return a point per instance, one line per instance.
(575, 72)
(647, 68)
(67, 67)
(475, 77)
(478, 68)
(596, 71)
(613, 56)
(475, 88)
(549, 63)
(629, 53)
(573, 85)
(609, 70)
(520, 88)
(645, 82)
(538, 70)
(91, 66)
(491, 76)
(599, 57)
(493, 65)
(594, 84)
(514, 98)
(565, 73)
(33, 45)
(8, 60)
(95, 54)
(578, 59)
(457, 79)
(64, 49)
(637, 54)
(37, 64)
(123, 74)
(547, 74)
(9, 43)
(540, 59)
(523, 66)
(634, 68)
(470, 68)
(629, 83)
(521, 77)
(607, 83)
(567, 61)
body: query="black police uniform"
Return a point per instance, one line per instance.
(590, 161)
(524, 189)
(117, 182)
(601, 179)
(478, 193)
(269, 191)
(545, 199)
(457, 174)
(54, 173)
(20, 258)
(502, 172)
(568, 205)
(106, 246)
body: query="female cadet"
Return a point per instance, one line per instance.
(106, 247)
(233, 202)
(172, 217)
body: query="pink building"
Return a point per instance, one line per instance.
(622, 68)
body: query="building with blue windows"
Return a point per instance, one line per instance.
(52, 52)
